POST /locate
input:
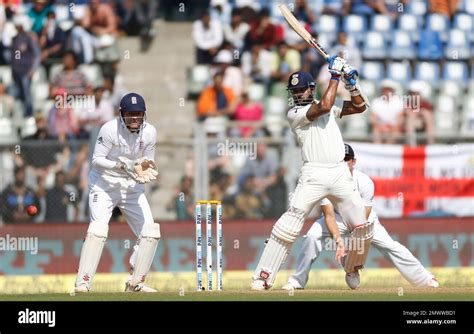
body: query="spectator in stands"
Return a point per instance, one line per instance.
(15, 199)
(92, 117)
(57, 200)
(82, 42)
(114, 90)
(221, 11)
(182, 201)
(145, 14)
(7, 102)
(277, 195)
(52, 40)
(347, 50)
(256, 64)
(262, 31)
(236, 31)
(445, 7)
(418, 115)
(216, 100)
(370, 7)
(337, 7)
(303, 12)
(70, 80)
(62, 123)
(284, 62)
(264, 168)
(25, 60)
(386, 112)
(208, 36)
(38, 15)
(102, 23)
(248, 203)
(248, 111)
(312, 60)
(233, 76)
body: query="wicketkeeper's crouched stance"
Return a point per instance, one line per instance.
(123, 161)
(324, 173)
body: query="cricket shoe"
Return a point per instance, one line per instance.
(140, 287)
(433, 283)
(259, 285)
(353, 280)
(83, 288)
(288, 286)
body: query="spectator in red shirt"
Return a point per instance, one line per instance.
(262, 31)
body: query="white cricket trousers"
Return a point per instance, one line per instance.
(133, 205)
(335, 182)
(406, 263)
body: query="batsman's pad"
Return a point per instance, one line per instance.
(358, 247)
(145, 253)
(284, 233)
(90, 256)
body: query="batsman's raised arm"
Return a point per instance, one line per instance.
(359, 102)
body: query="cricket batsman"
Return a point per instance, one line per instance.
(123, 161)
(324, 172)
(407, 264)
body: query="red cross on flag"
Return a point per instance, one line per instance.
(435, 179)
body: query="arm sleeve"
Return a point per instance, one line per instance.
(102, 148)
(366, 189)
(297, 116)
(149, 151)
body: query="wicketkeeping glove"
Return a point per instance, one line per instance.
(141, 170)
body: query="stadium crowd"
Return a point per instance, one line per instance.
(59, 82)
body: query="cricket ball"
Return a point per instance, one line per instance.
(32, 210)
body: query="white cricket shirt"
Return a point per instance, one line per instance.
(320, 140)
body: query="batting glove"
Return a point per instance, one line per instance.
(336, 65)
(351, 75)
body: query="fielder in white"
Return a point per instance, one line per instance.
(123, 161)
(409, 266)
(324, 172)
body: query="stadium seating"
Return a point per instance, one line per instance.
(402, 46)
(452, 89)
(8, 134)
(411, 24)
(374, 46)
(6, 75)
(355, 25)
(456, 71)
(197, 78)
(256, 92)
(327, 24)
(400, 72)
(458, 45)
(429, 72)
(383, 24)
(467, 128)
(464, 22)
(439, 23)
(446, 118)
(417, 7)
(373, 70)
(430, 46)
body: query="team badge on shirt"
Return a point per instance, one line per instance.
(100, 140)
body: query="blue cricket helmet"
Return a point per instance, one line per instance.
(299, 80)
(132, 102)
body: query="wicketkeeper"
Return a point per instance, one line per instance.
(122, 163)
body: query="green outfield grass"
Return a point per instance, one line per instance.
(362, 294)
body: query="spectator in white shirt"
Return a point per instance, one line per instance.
(208, 36)
(386, 113)
(233, 76)
(256, 64)
(236, 31)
